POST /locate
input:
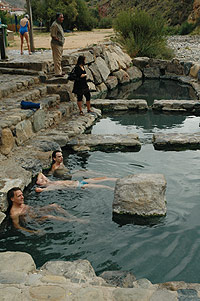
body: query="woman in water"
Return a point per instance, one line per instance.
(23, 31)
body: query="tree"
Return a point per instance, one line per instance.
(45, 10)
(84, 19)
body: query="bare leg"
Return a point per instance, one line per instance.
(62, 218)
(79, 103)
(88, 105)
(41, 179)
(97, 186)
(27, 41)
(22, 42)
(100, 179)
(51, 187)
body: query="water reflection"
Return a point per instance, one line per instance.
(153, 89)
(126, 219)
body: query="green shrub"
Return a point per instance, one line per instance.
(3, 17)
(105, 22)
(141, 34)
(186, 28)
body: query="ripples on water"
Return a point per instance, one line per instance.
(165, 250)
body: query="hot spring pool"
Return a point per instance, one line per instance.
(166, 250)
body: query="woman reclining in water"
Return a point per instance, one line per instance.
(47, 184)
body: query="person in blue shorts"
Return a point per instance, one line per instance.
(23, 31)
(46, 184)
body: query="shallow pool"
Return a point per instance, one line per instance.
(164, 250)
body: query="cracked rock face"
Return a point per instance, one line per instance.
(140, 194)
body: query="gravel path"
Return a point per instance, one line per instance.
(187, 48)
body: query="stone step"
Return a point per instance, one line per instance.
(172, 105)
(57, 80)
(11, 84)
(175, 141)
(18, 71)
(37, 65)
(64, 90)
(119, 104)
(13, 101)
(129, 142)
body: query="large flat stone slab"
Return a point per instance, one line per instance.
(175, 141)
(91, 142)
(119, 104)
(141, 195)
(190, 106)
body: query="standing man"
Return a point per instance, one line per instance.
(57, 42)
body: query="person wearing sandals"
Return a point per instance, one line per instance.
(80, 85)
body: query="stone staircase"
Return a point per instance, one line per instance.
(20, 125)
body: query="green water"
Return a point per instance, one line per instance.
(164, 250)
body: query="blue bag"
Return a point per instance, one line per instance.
(28, 105)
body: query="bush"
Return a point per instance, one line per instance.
(142, 34)
(186, 28)
(3, 17)
(105, 22)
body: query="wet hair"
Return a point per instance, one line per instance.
(54, 155)
(10, 194)
(81, 60)
(58, 15)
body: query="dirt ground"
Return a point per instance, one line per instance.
(72, 40)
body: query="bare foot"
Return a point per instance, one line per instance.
(38, 189)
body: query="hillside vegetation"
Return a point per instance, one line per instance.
(17, 3)
(175, 12)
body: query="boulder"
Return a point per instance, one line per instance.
(7, 141)
(122, 76)
(76, 269)
(118, 278)
(175, 67)
(194, 70)
(89, 74)
(134, 73)
(152, 72)
(2, 217)
(125, 58)
(102, 87)
(141, 62)
(187, 67)
(111, 82)
(96, 74)
(103, 68)
(111, 61)
(141, 195)
(39, 120)
(89, 57)
(24, 131)
(17, 262)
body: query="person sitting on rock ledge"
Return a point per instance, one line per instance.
(47, 184)
(19, 212)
